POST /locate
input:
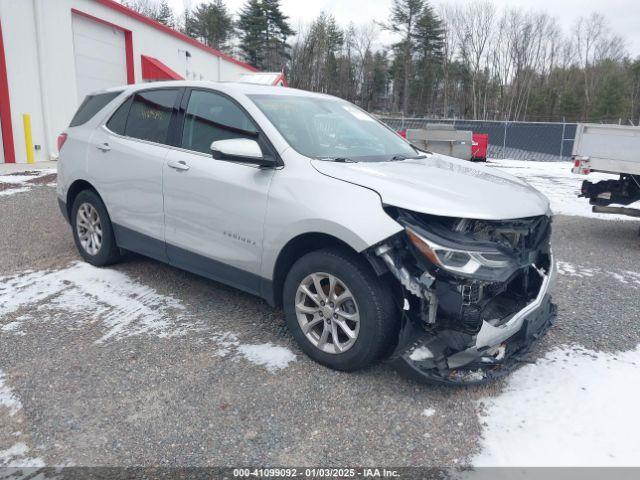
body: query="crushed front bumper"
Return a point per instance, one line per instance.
(493, 352)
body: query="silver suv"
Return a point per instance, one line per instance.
(373, 248)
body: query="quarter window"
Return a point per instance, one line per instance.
(118, 120)
(91, 105)
(149, 115)
(211, 117)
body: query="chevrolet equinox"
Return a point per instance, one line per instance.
(373, 249)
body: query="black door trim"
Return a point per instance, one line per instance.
(194, 263)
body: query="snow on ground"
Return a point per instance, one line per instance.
(562, 187)
(124, 306)
(574, 407)
(272, 357)
(626, 277)
(428, 412)
(8, 400)
(83, 295)
(13, 183)
(15, 455)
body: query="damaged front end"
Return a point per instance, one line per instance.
(475, 293)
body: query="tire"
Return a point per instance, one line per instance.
(378, 323)
(108, 252)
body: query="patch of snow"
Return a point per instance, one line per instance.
(421, 353)
(124, 306)
(555, 180)
(271, 356)
(13, 191)
(625, 277)
(83, 295)
(428, 412)
(227, 342)
(570, 270)
(14, 457)
(470, 375)
(11, 327)
(22, 177)
(574, 407)
(8, 399)
(17, 178)
(24, 181)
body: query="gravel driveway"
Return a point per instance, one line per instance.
(145, 364)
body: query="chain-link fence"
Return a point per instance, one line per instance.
(517, 140)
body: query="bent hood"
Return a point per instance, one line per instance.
(443, 186)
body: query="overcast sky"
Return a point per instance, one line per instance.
(623, 15)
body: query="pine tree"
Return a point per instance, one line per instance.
(278, 30)
(429, 44)
(212, 24)
(164, 14)
(610, 102)
(252, 24)
(380, 79)
(404, 17)
(264, 30)
(334, 43)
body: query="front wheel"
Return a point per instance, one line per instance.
(340, 313)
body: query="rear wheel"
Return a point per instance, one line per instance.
(92, 230)
(340, 313)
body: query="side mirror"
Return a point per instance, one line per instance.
(243, 150)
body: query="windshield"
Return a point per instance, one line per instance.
(332, 129)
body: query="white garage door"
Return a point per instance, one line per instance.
(100, 56)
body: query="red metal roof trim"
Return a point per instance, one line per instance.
(154, 69)
(148, 21)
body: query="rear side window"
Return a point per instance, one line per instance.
(211, 117)
(91, 105)
(148, 116)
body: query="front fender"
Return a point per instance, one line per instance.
(301, 200)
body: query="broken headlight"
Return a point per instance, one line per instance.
(482, 261)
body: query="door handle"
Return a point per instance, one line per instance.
(104, 147)
(178, 164)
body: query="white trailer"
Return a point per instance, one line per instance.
(609, 149)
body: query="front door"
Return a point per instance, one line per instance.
(214, 210)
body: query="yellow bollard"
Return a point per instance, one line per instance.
(28, 138)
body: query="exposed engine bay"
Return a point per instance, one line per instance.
(474, 293)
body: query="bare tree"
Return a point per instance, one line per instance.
(474, 24)
(449, 51)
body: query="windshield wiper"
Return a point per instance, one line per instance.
(397, 158)
(338, 159)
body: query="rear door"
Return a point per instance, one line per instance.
(126, 158)
(214, 210)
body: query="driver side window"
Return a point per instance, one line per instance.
(211, 117)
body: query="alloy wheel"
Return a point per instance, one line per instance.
(327, 312)
(89, 228)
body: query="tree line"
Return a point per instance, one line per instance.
(468, 60)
